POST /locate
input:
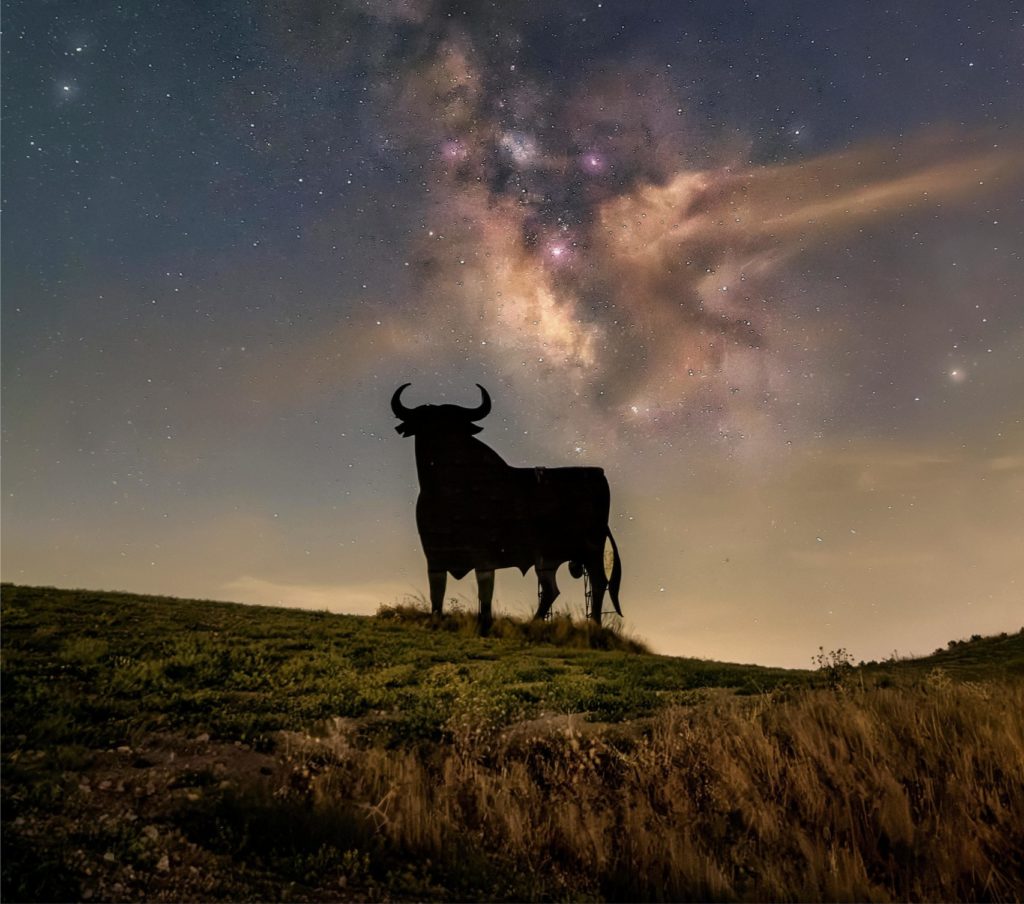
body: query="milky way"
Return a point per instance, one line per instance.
(587, 228)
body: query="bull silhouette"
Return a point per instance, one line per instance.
(475, 512)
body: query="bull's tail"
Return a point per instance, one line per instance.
(616, 576)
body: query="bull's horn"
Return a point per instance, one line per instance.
(396, 403)
(477, 414)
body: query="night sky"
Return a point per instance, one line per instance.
(760, 261)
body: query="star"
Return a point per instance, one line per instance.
(454, 151)
(559, 252)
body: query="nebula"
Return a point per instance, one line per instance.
(576, 228)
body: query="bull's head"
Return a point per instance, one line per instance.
(439, 418)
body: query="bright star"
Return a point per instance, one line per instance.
(559, 252)
(454, 151)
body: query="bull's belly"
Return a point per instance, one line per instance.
(459, 547)
(459, 558)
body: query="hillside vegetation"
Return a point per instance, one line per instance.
(166, 749)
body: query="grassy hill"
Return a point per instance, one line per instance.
(168, 749)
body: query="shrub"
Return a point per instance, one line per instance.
(835, 666)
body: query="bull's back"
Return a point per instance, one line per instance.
(577, 497)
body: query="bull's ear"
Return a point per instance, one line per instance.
(474, 428)
(404, 430)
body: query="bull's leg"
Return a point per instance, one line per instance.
(548, 591)
(485, 589)
(438, 580)
(598, 585)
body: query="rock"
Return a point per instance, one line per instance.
(164, 863)
(203, 738)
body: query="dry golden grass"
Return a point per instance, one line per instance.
(884, 794)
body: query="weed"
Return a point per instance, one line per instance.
(835, 666)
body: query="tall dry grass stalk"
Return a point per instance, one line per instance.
(874, 795)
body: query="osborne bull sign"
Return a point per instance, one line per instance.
(475, 512)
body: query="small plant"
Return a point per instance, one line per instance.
(938, 680)
(835, 666)
(83, 651)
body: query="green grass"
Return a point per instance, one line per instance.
(105, 667)
(166, 749)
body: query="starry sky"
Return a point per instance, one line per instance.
(760, 261)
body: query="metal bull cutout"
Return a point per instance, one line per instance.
(475, 512)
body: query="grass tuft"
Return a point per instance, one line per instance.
(558, 630)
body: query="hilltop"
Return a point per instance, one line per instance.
(158, 748)
(242, 672)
